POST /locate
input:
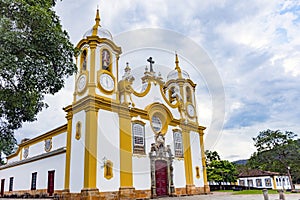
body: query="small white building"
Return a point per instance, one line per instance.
(256, 178)
(117, 143)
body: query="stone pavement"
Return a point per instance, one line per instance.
(229, 196)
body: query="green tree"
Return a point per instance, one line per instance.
(35, 58)
(267, 140)
(219, 170)
(7, 144)
(211, 156)
(276, 151)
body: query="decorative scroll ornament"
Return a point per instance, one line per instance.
(48, 145)
(26, 152)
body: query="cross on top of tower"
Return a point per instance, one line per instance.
(151, 62)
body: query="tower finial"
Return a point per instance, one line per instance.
(177, 63)
(97, 20)
(177, 66)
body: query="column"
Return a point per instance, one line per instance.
(206, 185)
(190, 187)
(126, 190)
(68, 150)
(90, 190)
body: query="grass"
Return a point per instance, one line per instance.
(254, 192)
(249, 192)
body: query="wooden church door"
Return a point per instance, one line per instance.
(50, 189)
(161, 177)
(2, 187)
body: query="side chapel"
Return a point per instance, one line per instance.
(117, 143)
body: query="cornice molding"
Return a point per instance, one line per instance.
(35, 158)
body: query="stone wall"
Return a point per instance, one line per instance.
(113, 195)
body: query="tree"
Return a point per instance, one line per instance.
(276, 151)
(267, 140)
(211, 156)
(7, 144)
(35, 58)
(219, 170)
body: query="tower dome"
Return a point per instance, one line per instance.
(177, 72)
(101, 33)
(98, 30)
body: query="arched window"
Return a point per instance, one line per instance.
(138, 134)
(178, 147)
(83, 60)
(172, 96)
(106, 60)
(188, 94)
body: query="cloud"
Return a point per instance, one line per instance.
(253, 45)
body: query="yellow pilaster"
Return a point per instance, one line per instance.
(187, 156)
(274, 183)
(90, 152)
(68, 151)
(206, 185)
(92, 82)
(126, 179)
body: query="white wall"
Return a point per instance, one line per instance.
(254, 181)
(77, 154)
(22, 173)
(179, 173)
(108, 148)
(196, 158)
(58, 141)
(282, 182)
(13, 159)
(141, 172)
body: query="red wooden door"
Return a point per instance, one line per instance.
(2, 187)
(50, 189)
(161, 176)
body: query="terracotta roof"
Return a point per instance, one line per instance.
(257, 172)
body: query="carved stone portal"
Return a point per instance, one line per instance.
(161, 161)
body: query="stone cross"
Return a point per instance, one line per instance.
(151, 62)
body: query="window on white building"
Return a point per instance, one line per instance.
(258, 183)
(11, 183)
(241, 182)
(178, 147)
(33, 181)
(268, 182)
(250, 183)
(138, 133)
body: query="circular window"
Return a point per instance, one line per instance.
(156, 123)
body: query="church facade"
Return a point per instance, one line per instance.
(117, 143)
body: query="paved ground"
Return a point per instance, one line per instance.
(223, 196)
(229, 196)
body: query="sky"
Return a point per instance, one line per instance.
(247, 81)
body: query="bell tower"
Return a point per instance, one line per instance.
(97, 63)
(95, 85)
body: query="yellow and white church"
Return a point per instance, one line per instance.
(117, 143)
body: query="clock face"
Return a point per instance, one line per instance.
(81, 83)
(107, 82)
(191, 110)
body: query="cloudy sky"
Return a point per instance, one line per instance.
(253, 46)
